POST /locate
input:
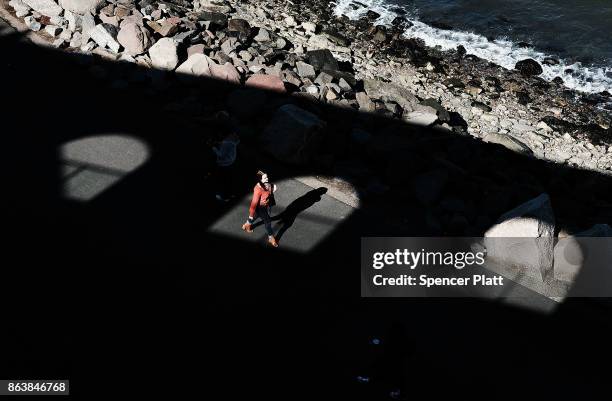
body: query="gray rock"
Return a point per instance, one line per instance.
(524, 238)
(280, 43)
(262, 36)
(82, 6)
(134, 38)
(305, 70)
(509, 143)
(324, 78)
(402, 96)
(344, 85)
(45, 7)
(365, 103)
(164, 54)
(294, 135)
(292, 78)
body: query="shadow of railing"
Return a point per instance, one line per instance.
(130, 284)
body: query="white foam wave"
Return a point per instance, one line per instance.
(589, 79)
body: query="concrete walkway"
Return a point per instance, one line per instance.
(302, 218)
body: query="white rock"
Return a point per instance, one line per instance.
(544, 127)
(524, 238)
(76, 40)
(82, 6)
(88, 24)
(164, 54)
(421, 118)
(87, 47)
(45, 7)
(309, 27)
(105, 36)
(53, 30)
(21, 9)
(290, 21)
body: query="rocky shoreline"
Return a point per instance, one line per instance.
(301, 51)
(553, 122)
(513, 108)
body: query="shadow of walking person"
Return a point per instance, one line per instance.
(287, 217)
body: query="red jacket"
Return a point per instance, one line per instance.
(261, 197)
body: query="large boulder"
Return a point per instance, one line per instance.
(389, 91)
(322, 59)
(240, 26)
(45, 7)
(164, 54)
(529, 67)
(572, 253)
(294, 135)
(134, 38)
(523, 238)
(82, 6)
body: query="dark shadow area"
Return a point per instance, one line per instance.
(128, 294)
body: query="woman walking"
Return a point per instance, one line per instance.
(261, 205)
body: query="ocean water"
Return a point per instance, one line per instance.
(576, 32)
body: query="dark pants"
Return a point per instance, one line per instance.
(263, 212)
